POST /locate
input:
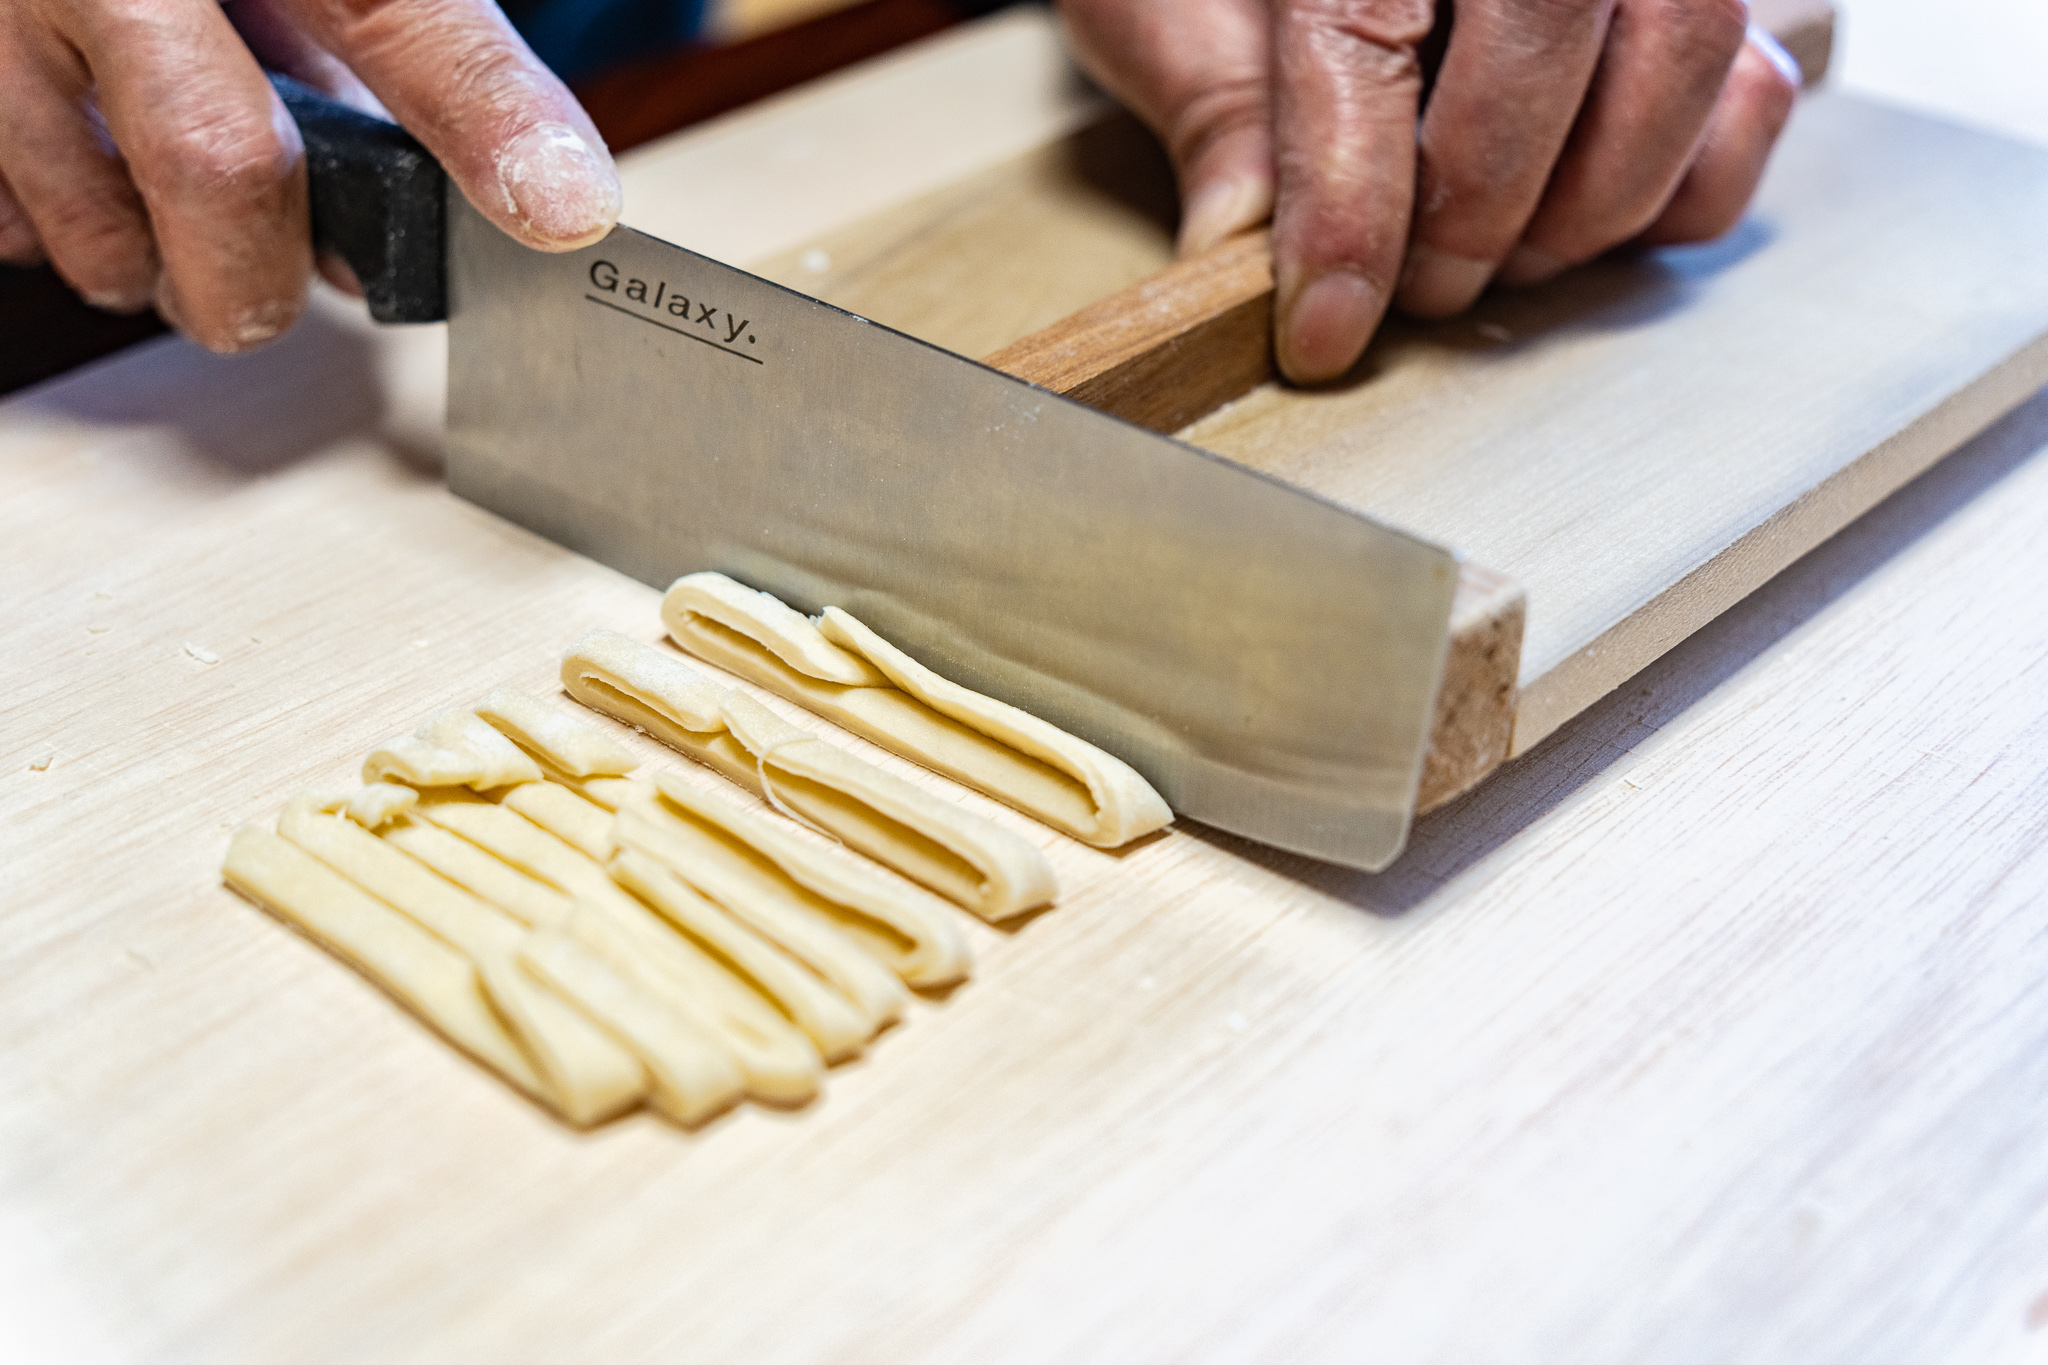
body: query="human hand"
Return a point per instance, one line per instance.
(1554, 131)
(143, 152)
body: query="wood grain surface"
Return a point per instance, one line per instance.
(1168, 350)
(1714, 1029)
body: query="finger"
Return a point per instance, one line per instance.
(70, 186)
(338, 273)
(1665, 64)
(1510, 87)
(19, 244)
(1346, 90)
(1752, 111)
(219, 164)
(510, 134)
(274, 35)
(1195, 71)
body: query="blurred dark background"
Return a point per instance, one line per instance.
(643, 68)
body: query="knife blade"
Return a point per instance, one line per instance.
(1267, 659)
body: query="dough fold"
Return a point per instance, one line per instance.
(976, 864)
(588, 1077)
(779, 1063)
(843, 671)
(692, 1076)
(839, 1027)
(756, 893)
(432, 979)
(556, 737)
(603, 940)
(454, 748)
(915, 934)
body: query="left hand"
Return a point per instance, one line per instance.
(1556, 130)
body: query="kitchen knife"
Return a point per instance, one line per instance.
(1267, 659)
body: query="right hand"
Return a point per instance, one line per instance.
(144, 154)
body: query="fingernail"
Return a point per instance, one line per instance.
(558, 187)
(1436, 284)
(1529, 265)
(262, 322)
(1328, 326)
(1221, 209)
(166, 303)
(1763, 41)
(132, 300)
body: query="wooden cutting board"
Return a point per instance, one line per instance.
(1621, 456)
(1710, 1030)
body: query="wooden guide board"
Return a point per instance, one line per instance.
(1647, 443)
(1637, 446)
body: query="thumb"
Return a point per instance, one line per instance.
(467, 86)
(1196, 72)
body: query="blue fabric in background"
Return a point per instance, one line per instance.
(582, 37)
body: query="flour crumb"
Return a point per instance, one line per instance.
(816, 261)
(41, 765)
(103, 597)
(1238, 1023)
(205, 656)
(1146, 983)
(97, 630)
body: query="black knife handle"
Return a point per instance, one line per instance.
(378, 201)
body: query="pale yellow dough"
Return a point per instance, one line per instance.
(839, 1027)
(779, 1063)
(589, 1077)
(451, 749)
(915, 934)
(963, 857)
(602, 940)
(843, 671)
(556, 737)
(433, 979)
(693, 1076)
(376, 804)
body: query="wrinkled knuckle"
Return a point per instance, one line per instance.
(489, 76)
(1392, 26)
(1713, 28)
(102, 255)
(100, 247)
(1552, 15)
(231, 154)
(357, 16)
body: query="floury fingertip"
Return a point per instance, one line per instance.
(559, 188)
